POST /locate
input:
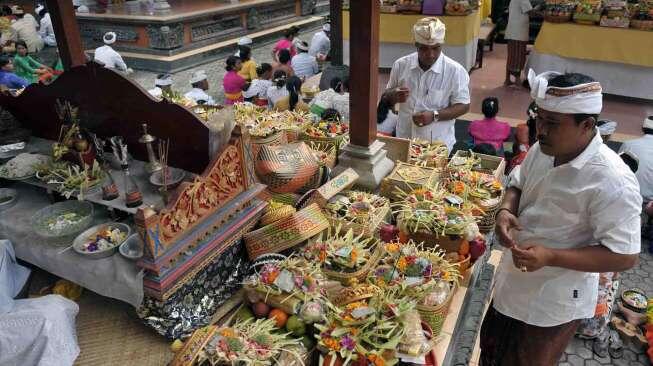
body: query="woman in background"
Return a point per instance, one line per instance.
(257, 92)
(233, 83)
(27, 67)
(248, 71)
(489, 130)
(293, 101)
(284, 63)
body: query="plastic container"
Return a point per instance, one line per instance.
(66, 235)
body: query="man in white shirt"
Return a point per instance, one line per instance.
(432, 88)
(108, 56)
(25, 28)
(643, 148)
(200, 84)
(321, 43)
(46, 31)
(162, 86)
(572, 210)
(302, 63)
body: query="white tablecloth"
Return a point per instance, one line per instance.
(615, 78)
(115, 276)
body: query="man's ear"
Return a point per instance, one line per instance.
(589, 123)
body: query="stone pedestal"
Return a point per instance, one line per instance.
(371, 163)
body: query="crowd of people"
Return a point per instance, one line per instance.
(21, 37)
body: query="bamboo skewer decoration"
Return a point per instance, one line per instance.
(164, 148)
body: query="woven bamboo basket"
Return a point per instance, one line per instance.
(434, 316)
(328, 149)
(448, 243)
(337, 141)
(277, 138)
(370, 225)
(358, 276)
(287, 233)
(493, 165)
(486, 223)
(408, 177)
(645, 25)
(292, 134)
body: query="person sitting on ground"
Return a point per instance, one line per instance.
(200, 84)
(386, 118)
(284, 63)
(7, 76)
(45, 30)
(490, 130)
(243, 42)
(286, 43)
(108, 57)
(643, 148)
(248, 69)
(162, 86)
(278, 89)
(233, 83)
(25, 27)
(341, 101)
(292, 102)
(321, 43)
(257, 92)
(79, 8)
(50, 338)
(324, 99)
(304, 64)
(27, 67)
(8, 37)
(331, 115)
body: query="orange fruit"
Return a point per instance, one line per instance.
(403, 237)
(464, 248)
(279, 316)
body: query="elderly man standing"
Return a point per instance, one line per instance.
(321, 44)
(572, 210)
(25, 28)
(432, 88)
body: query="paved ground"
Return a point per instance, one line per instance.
(579, 352)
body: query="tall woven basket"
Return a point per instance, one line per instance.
(277, 138)
(434, 316)
(359, 276)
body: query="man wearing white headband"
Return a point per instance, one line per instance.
(643, 148)
(162, 86)
(302, 63)
(432, 88)
(107, 56)
(572, 210)
(321, 43)
(200, 84)
(243, 42)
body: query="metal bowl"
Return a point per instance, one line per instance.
(132, 248)
(83, 238)
(65, 236)
(8, 192)
(176, 176)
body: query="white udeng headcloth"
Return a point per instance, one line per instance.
(583, 98)
(429, 31)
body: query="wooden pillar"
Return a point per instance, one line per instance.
(335, 13)
(66, 30)
(364, 51)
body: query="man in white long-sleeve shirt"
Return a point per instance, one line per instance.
(108, 56)
(46, 31)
